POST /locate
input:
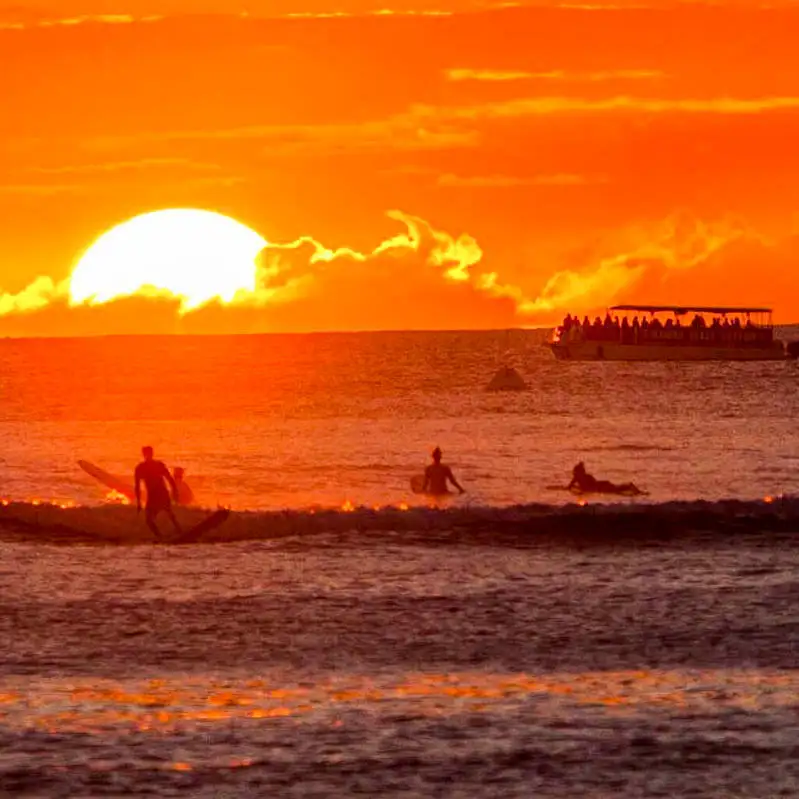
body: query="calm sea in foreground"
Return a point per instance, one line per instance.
(376, 647)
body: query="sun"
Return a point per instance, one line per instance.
(191, 254)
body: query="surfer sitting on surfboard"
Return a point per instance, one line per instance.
(587, 483)
(154, 473)
(436, 476)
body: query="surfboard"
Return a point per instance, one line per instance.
(578, 493)
(109, 480)
(191, 535)
(122, 486)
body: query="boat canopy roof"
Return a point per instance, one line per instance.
(683, 309)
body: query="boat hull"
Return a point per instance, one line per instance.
(614, 351)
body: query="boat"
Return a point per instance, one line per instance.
(732, 334)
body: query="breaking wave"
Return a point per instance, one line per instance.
(521, 525)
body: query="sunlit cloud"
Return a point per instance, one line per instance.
(546, 106)
(39, 190)
(123, 176)
(37, 295)
(400, 132)
(106, 19)
(680, 243)
(511, 181)
(71, 22)
(419, 259)
(438, 127)
(497, 75)
(305, 285)
(380, 12)
(284, 268)
(124, 166)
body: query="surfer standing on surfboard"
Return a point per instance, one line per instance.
(153, 473)
(436, 476)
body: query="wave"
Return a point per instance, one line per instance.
(520, 525)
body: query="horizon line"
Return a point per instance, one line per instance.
(385, 331)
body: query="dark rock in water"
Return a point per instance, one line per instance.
(507, 379)
(793, 349)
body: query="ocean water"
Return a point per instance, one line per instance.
(333, 639)
(269, 422)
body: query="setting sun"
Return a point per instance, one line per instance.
(192, 254)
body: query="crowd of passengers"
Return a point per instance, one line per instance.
(720, 330)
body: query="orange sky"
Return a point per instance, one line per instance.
(562, 158)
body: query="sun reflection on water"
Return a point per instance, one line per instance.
(161, 705)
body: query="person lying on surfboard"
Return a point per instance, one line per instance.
(436, 476)
(587, 483)
(154, 474)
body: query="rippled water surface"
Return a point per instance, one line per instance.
(294, 421)
(385, 666)
(475, 651)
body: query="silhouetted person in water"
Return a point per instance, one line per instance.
(184, 493)
(154, 474)
(436, 476)
(587, 483)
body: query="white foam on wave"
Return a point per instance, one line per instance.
(122, 524)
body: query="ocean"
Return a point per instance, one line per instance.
(338, 637)
(269, 422)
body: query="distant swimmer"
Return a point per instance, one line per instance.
(185, 494)
(588, 484)
(436, 476)
(155, 476)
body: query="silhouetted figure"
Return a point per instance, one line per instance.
(587, 483)
(155, 476)
(184, 493)
(626, 334)
(436, 476)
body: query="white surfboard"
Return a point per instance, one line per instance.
(112, 481)
(125, 487)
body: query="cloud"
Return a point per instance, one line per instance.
(405, 131)
(498, 75)
(645, 270)
(124, 166)
(511, 181)
(95, 177)
(547, 106)
(424, 127)
(382, 12)
(286, 271)
(420, 277)
(70, 22)
(39, 190)
(424, 277)
(37, 295)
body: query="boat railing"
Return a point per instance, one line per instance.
(678, 335)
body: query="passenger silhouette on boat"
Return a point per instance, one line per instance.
(436, 476)
(155, 477)
(587, 483)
